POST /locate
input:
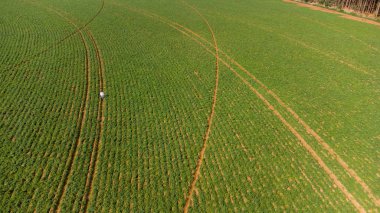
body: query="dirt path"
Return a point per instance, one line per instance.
(101, 105)
(302, 141)
(343, 15)
(98, 141)
(311, 132)
(308, 129)
(59, 42)
(331, 151)
(56, 207)
(325, 54)
(363, 20)
(211, 115)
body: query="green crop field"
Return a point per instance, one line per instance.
(210, 106)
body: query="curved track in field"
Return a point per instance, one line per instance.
(306, 127)
(302, 141)
(56, 207)
(211, 116)
(59, 42)
(95, 147)
(194, 36)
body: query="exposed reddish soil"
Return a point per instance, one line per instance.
(364, 20)
(211, 116)
(343, 15)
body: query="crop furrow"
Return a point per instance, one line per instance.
(56, 207)
(95, 147)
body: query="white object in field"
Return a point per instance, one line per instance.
(101, 94)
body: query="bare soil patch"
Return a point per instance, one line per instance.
(343, 15)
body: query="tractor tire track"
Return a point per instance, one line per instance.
(315, 135)
(56, 207)
(302, 141)
(331, 151)
(211, 115)
(307, 128)
(311, 132)
(59, 42)
(97, 142)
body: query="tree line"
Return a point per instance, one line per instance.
(367, 7)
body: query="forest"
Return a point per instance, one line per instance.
(366, 7)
